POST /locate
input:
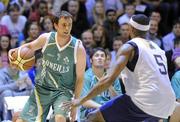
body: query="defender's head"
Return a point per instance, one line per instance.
(140, 25)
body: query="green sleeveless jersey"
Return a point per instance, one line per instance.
(58, 70)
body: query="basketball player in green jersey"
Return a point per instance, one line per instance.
(61, 75)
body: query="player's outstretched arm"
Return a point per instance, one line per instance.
(34, 45)
(124, 54)
(38, 43)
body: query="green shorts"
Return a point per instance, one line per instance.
(37, 107)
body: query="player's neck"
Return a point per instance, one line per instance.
(63, 40)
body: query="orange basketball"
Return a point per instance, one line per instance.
(24, 58)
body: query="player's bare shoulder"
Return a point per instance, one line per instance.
(126, 49)
(44, 37)
(81, 47)
(40, 41)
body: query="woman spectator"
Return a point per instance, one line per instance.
(4, 48)
(98, 14)
(47, 24)
(31, 32)
(100, 36)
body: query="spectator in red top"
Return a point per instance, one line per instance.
(39, 12)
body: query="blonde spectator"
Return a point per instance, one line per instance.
(99, 34)
(98, 13)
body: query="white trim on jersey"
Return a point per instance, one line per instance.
(78, 42)
(64, 47)
(47, 40)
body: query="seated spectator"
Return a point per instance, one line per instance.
(125, 32)
(88, 42)
(117, 43)
(100, 36)
(5, 46)
(31, 32)
(12, 84)
(156, 15)
(129, 11)
(117, 5)
(168, 40)
(91, 78)
(169, 54)
(98, 13)
(47, 24)
(39, 12)
(152, 34)
(111, 25)
(13, 20)
(80, 22)
(14, 42)
(175, 81)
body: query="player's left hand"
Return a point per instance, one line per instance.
(67, 105)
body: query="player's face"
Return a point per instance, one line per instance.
(64, 26)
(99, 59)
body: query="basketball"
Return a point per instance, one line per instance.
(23, 58)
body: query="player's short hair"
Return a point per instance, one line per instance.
(60, 14)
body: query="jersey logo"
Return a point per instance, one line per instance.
(58, 56)
(66, 60)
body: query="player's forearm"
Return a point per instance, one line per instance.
(78, 88)
(100, 87)
(91, 104)
(30, 46)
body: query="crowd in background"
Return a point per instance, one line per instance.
(98, 23)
